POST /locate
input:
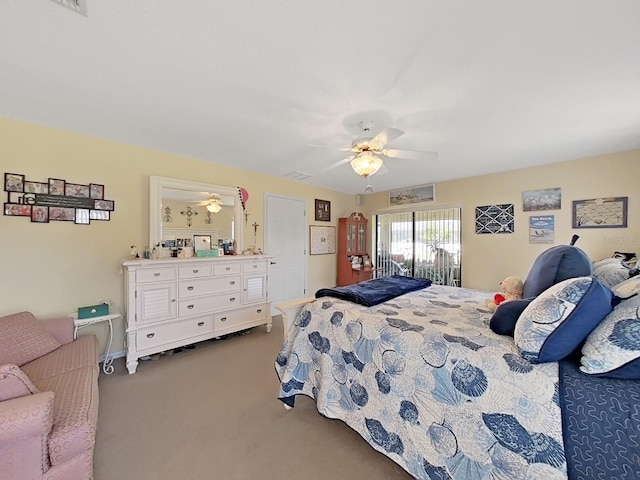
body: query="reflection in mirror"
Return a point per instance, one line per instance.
(182, 209)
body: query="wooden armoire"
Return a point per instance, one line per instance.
(352, 242)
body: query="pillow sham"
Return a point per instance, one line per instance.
(557, 321)
(610, 273)
(627, 288)
(555, 265)
(613, 348)
(23, 338)
(14, 383)
(503, 321)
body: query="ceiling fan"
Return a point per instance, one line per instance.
(368, 147)
(212, 204)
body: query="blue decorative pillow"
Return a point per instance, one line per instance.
(555, 265)
(503, 321)
(557, 321)
(613, 348)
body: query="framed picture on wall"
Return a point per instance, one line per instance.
(202, 242)
(323, 210)
(322, 240)
(600, 213)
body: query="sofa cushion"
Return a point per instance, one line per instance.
(555, 265)
(23, 339)
(75, 412)
(561, 318)
(14, 383)
(83, 352)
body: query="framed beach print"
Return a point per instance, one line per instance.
(600, 213)
(406, 196)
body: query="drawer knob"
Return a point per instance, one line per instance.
(200, 324)
(228, 268)
(223, 319)
(232, 283)
(190, 288)
(150, 335)
(195, 271)
(190, 306)
(232, 299)
(259, 310)
(156, 274)
(255, 266)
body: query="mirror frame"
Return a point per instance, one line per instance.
(156, 184)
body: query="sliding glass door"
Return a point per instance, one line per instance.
(421, 243)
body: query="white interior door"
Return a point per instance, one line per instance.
(286, 240)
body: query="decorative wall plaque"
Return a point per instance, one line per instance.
(55, 200)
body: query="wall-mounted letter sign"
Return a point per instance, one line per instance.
(55, 200)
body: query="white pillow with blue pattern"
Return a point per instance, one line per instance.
(556, 322)
(613, 348)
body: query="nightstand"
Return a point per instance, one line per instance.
(107, 366)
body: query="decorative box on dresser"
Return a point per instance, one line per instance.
(171, 303)
(352, 241)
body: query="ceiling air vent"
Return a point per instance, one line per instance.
(78, 6)
(296, 175)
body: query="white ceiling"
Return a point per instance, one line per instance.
(490, 85)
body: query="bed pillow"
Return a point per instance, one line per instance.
(503, 320)
(555, 265)
(613, 348)
(628, 288)
(14, 383)
(612, 271)
(557, 321)
(23, 338)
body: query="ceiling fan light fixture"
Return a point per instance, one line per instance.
(214, 206)
(366, 164)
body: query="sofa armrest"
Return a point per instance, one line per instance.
(25, 425)
(61, 328)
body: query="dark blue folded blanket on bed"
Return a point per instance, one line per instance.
(375, 291)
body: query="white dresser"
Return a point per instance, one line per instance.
(171, 303)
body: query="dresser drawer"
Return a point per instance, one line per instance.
(194, 271)
(234, 320)
(257, 266)
(207, 286)
(152, 337)
(161, 274)
(227, 268)
(210, 303)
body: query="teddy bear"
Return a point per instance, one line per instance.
(512, 288)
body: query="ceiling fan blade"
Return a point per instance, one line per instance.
(330, 146)
(387, 135)
(337, 164)
(411, 155)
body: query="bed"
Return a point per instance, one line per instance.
(425, 381)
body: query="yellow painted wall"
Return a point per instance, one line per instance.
(487, 259)
(52, 269)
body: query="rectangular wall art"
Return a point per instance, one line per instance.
(600, 213)
(495, 218)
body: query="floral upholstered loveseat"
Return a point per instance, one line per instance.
(48, 399)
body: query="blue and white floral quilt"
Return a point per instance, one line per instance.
(424, 380)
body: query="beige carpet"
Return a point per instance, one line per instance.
(212, 413)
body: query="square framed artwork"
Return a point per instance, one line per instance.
(323, 210)
(75, 190)
(96, 191)
(13, 182)
(82, 216)
(62, 214)
(39, 214)
(36, 187)
(322, 240)
(600, 213)
(56, 186)
(202, 242)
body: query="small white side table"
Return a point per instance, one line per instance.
(107, 366)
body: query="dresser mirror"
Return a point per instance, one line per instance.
(182, 212)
